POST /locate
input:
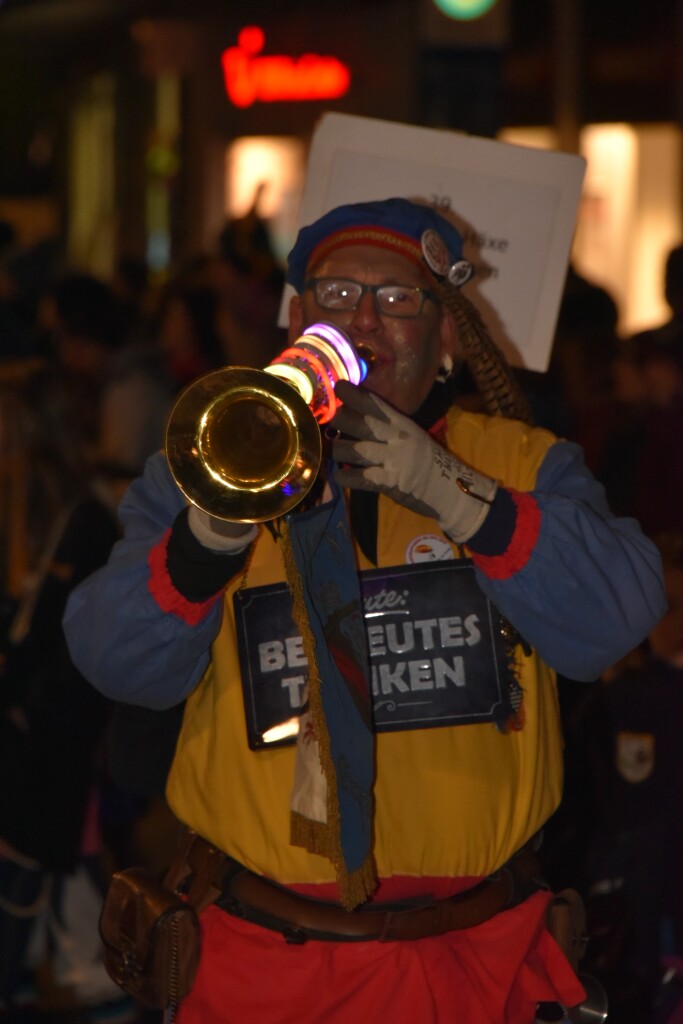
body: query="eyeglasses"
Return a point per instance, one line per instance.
(390, 299)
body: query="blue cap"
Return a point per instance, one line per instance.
(414, 230)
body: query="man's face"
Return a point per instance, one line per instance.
(407, 352)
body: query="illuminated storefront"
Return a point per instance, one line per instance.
(176, 122)
(630, 214)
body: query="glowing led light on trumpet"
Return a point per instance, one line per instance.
(320, 348)
(340, 342)
(294, 376)
(322, 356)
(324, 402)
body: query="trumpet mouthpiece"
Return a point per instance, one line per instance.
(367, 354)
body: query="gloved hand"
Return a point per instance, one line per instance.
(383, 450)
(219, 534)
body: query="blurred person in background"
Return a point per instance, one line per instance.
(641, 466)
(143, 379)
(668, 335)
(641, 470)
(26, 272)
(115, 387)
(52, 723)
(83, 327)
(573, 398)
(625, 738)
(16, 336)
(186, 333)
(249, 280)
(131, 287)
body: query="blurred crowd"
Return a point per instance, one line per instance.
(89, 370)
(618, 835)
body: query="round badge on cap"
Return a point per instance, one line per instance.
(460, 272)
(435, 252)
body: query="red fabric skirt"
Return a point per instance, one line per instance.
(495, 973)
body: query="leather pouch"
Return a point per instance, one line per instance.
(151, 939)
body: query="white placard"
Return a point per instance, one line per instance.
(516, 207)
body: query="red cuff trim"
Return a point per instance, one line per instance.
(165, 594)
(438, 431)
(522, 542)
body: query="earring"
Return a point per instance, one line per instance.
(445, 371)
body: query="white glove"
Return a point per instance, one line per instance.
(383, 450)
(219, 534)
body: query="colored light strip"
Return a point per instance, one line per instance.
(315, 362)
(323, 410)
(323, 407)
(294, 376)
(341, 344)
(329, 354)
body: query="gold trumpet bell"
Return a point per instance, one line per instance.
(243, 445)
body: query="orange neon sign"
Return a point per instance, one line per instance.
(249, 77)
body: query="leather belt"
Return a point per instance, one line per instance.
(218, 878)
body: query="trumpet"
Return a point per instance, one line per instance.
(245, 444)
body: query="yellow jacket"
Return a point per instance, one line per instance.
(449, 801)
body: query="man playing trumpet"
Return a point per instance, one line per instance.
(379, 867)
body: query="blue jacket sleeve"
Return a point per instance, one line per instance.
(592, 587)
(118, 636)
